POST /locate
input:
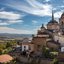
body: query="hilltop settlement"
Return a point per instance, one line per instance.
(46, 47)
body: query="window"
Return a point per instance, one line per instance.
(38, 46)
(24, 48)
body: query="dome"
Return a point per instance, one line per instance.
(52, 21)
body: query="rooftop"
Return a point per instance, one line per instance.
(5, 58)
(53, 21)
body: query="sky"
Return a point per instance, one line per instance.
(27, 16)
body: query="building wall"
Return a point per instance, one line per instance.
(53, 45)
(31, 46)
(61, 23)
(61, 20)
(60, 39)
(25, 47)
(39, 42)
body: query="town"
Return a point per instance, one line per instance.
(45, 47)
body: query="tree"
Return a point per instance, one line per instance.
(8, 44)
(55, 61)
(11, 43)
(2, 48)
(45, 52)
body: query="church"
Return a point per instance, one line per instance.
(45, 36)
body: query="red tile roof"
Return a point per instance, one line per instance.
(5, 58)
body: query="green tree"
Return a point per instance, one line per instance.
(11, 43)
(45, 52)
(8, 44)
(55, 61)
(2, 48)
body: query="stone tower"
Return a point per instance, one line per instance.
(39, 40)
(53, 24)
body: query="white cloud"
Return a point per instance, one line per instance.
(34, 22)
(10, 17)
(4, 23)
(15, 21)
(41, 9)
(16, 31)
(1, 9)
(10, 22)
(47, 0)
(58, 14)
(35, 8)
(62, 6)
(26, 25)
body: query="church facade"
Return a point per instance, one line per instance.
(39, 40)
(43, 35)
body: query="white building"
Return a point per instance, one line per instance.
(25, 47)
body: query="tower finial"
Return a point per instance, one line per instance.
(52, 15)
(42, 26)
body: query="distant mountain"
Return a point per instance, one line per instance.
(15, 35)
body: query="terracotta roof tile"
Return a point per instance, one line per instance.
(5, 58)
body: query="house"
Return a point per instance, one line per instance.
(26, 45)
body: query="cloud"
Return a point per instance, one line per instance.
(9, 15)
(15, 31)
(47, 0)
(7, 18)
(34, 22)
(15, 21)
(58, 14)
(61, 6)
(8, 22)
(35, 8)
(1, 9)
(4, 23)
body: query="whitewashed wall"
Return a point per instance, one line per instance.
(62, 49)
(27, 47)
